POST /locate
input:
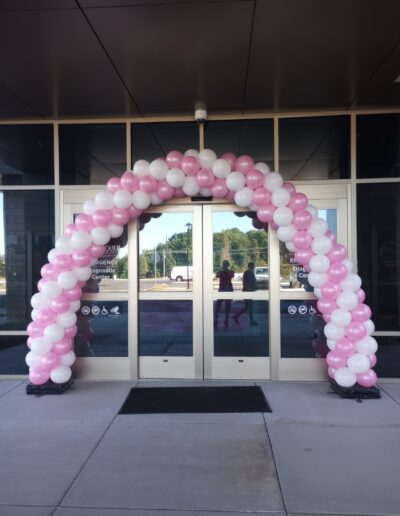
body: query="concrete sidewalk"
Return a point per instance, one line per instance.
(314, 454)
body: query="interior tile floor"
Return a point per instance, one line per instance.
(315, 454)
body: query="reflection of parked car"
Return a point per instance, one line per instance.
(180, 273)
(262, 276)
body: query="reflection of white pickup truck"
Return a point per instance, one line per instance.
(180, 273)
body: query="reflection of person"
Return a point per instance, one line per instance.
(225, 275)
(249, 285)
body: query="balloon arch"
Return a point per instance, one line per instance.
(250, 185)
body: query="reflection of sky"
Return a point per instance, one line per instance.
(1, 224)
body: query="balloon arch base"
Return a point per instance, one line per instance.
(49, 388)
(356, 392)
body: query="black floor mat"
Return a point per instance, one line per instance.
(170, 400)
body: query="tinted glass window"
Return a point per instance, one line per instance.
(91, 153)
(253, 137)
(378, 146)
(388, 355)
(13, 350)
(314, 148)
(378, 240)
(26, 155)
(152, 141)
(26, 236)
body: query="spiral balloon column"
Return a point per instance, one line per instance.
(250, 185)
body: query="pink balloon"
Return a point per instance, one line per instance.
(71, 228)
(81, 257)
(164, 191)
(119, 216)
(298, 202)
(303, 256)
(326, 318)
(372, 360)
(174, 159)
(356, 331)
(62, 346)
(37, 376)
(129, 181)
(50, 360)
(72, 294)
(84, 222)
(60, 304)
(49, 272)
(326, 306)
(331, 372)
(337, 253)
(361, 295)
(190, 165)
(97, 251)
(114, 184)
(178, 193)
(81, 284)
(205, 178)
(302, 240)
(63, 262)
(70, 332)
(265, 213)
(261, 196)
(331, 235)
(330, 290)
(337, 272)
(134, 213)
(219, 189)
(40, 284)
(336, 359)
(147, 184)
(272, 225)
(230, 158)
(45, 316)
(345, 346)
(302, 219)
(101, 218)
(244, 164)
(230, 196)
(35, 330)
(287, 185)
(367, 379)
(254, 179)
(361, 313)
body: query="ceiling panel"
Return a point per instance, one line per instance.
(310, 54)
(11, 107)
(58, 66)
(174, 56)
(32, 5)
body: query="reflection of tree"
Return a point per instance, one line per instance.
(121, 267)
(2, 265)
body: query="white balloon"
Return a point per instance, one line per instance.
(122, 199)
(40, 301)
(64, 245)
(321, 245)
(369, 326)
(347, 300)
(207, 157)
(333, 332)
(53, 333)
(158, 169)
(60, 374)
(262, 167)
(331, 344)
(351, 283)
(317, 279)
(52, 289)
(66, 319)
(341, 317)
(41, 346)
(312, 210)
(81, 240)
(190, 186)
(280, 197)
(89, 207)
(155, 200)
(318, 227)
(52, 254)
(317, 292)
(141, 167)
(273, 181)
(244, 197)
(205, 192)
(34, 314)
(141, 200)
(82, 273)
(100, 235)
(74, 305)
(253, 207)
(286, 234)
(348, 264)
(358, 363)
(67, 280)
(93, 261)
(283, 216)
(175, 177)
(192, 152)
(115, 230)
(319, 263)
(367, 346)
(33, 359)
(289, 245)
(344, 377)
(221, 168)
(235, 181)
(68, 359)
(104, 200)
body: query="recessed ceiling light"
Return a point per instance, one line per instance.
(398, 79)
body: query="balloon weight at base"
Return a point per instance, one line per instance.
(356, 392)
(48, 388)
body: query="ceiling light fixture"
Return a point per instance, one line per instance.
(397, 80)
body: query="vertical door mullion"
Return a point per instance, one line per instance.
(197, 294)
(274, 305)
(207, 290)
